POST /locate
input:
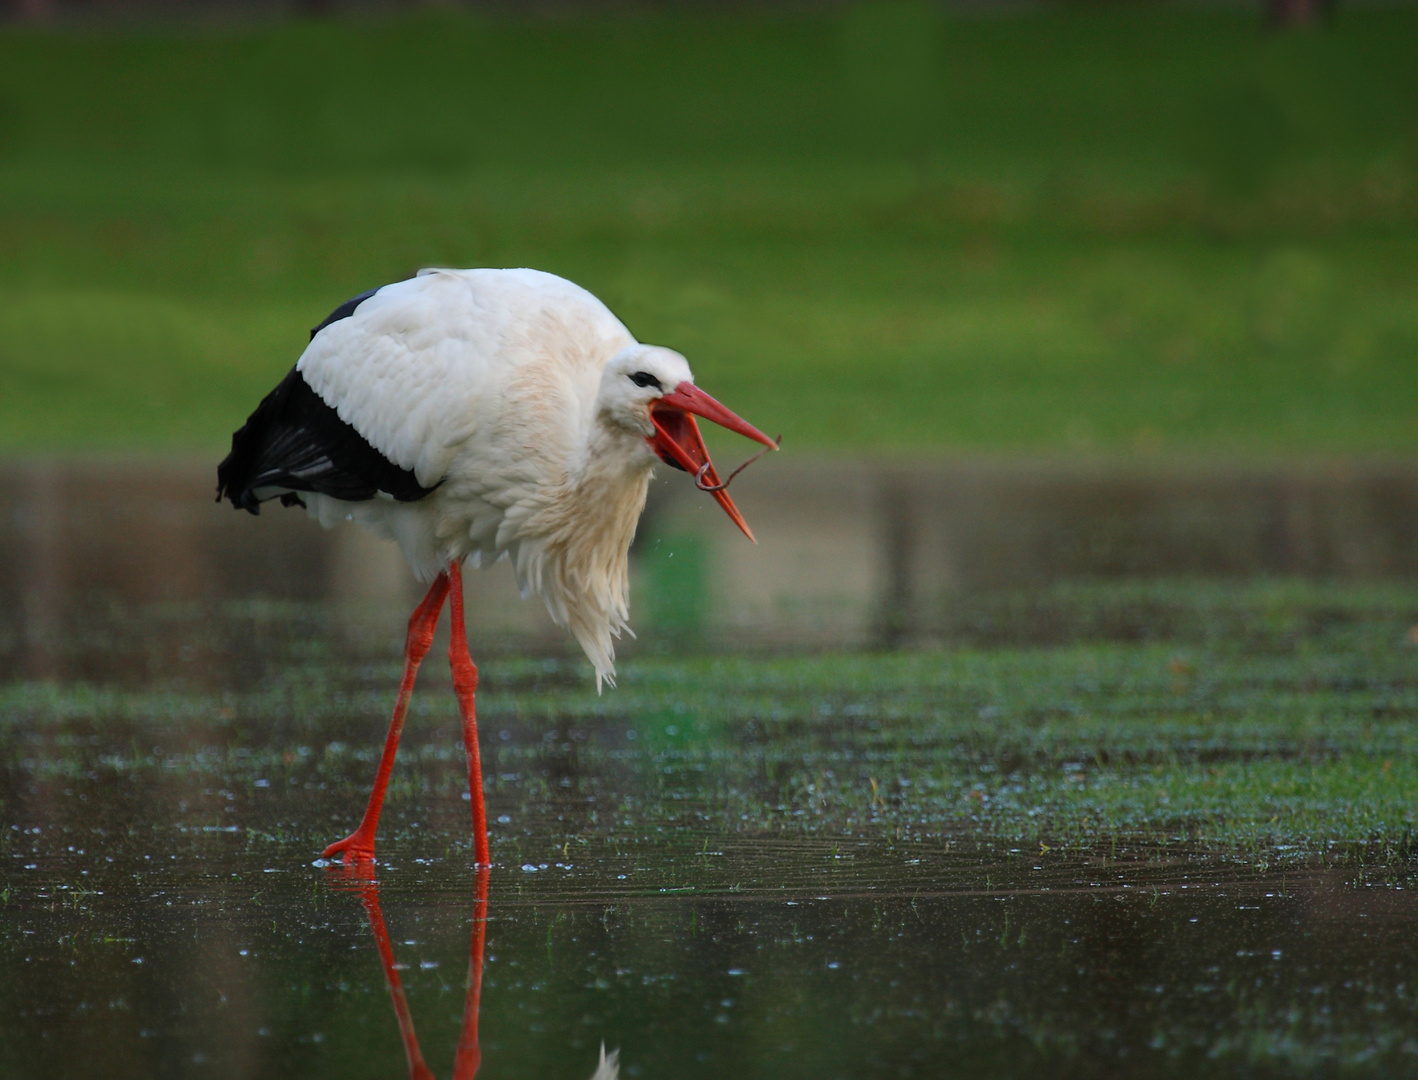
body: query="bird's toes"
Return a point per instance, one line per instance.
(353, 848)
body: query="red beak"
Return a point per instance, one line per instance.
(678, 442)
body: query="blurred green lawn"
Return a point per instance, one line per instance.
(1110, 230)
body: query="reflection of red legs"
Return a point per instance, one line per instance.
(465, 685)
(360, 843)
(369, 896)
(469, 1056)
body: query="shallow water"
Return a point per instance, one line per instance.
(794, 958)
(757, 886)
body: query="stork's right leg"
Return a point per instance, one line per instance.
(360, 843)
(465, 686)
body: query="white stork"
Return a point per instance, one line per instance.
(480, 414)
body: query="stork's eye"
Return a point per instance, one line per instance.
(644, 378)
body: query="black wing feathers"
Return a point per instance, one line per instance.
(296, 442)
(344, 311)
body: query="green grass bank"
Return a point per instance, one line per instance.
(876, 229)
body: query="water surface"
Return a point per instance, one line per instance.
(1128, 799)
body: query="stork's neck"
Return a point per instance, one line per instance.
(612, 474)
(579, 543)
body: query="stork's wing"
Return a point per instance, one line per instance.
(421, 364)
(295, 442)
(397, 380)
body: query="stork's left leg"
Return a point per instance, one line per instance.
(359, 845)
(465, 685)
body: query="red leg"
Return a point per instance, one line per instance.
(469, 1055)
(360, 843)
(465, 685)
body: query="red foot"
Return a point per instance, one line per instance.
(356, 848)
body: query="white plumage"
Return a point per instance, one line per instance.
(474, 414)
(484, 383)
(423, 363)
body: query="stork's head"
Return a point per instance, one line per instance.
(651, 390)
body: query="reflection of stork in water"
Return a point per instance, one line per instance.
(468, 1056)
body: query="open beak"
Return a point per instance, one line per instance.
(678, 442)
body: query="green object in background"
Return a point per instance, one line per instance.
(879, 228)
(678, 589)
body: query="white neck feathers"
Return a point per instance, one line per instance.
(574, 547)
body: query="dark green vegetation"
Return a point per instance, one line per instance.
(1110, 229)
(1273, 721)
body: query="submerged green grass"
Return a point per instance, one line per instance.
(1278, 721)
(876, 228)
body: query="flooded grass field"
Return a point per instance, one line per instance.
(1090, 773)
